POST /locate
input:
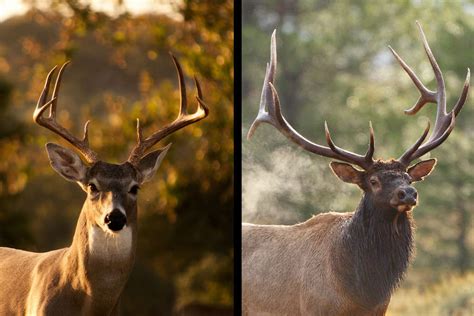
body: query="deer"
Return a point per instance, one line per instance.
(343, 263)
(88, 277)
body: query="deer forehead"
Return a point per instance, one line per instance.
(106, 174)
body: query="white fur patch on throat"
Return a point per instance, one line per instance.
(109, 245)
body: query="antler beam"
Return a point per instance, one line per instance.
(444, 123)
(270, 112)
(183, 119)
(50, 121)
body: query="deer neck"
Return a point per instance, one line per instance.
(99, 263)
(374, 254)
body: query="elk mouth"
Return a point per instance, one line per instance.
(401, 208)
(405, 208)
(404, 204)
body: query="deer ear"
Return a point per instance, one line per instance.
(150, 163)
(422, 169)
(346, 172)
(66, 162)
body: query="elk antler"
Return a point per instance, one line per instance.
(183, 119)
(50, 121)
(444, 121)
(270, 112)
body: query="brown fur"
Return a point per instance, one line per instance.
(88, 277)
(61, 282)
(334, 263)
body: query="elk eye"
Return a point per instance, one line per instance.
(134, 190)
(93, 188)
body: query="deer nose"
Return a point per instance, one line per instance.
(115, 220)
(407, 195)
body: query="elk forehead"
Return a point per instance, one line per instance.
(391, 171)
(389, 165)
(391, 179)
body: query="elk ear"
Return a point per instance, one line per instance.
(421, 169)
(150, 163)
(66, 162)
(346, 172)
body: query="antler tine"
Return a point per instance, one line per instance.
(367, 160)
(50, 121)
(41, 105)
(270, 112)
(370, 151)
(444, 123)
(181, 121)
(182, 87)
(462, 98)
(266, 108)
(426, 94)
(52, 109)
(406, 156)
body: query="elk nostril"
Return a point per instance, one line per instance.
(415, 195)
(401, 195)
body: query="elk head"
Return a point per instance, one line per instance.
(387, 183)
(111, 188)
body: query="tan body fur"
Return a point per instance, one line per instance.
(70, 281)
(288, 270)
(343, 263)
(88, 277)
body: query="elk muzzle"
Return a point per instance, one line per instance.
(115, 220)
(404, 198)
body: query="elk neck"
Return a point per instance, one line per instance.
(373, 256)
(98, 263)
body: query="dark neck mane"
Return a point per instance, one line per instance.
(372, 256)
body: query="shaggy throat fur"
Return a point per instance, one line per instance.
(375, 254)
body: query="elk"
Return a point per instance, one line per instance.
(343, 263)
(88, 277)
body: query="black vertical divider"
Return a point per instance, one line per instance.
(237, 216)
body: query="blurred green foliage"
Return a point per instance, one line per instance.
(334, 65)
(453, 295)
(121, 71)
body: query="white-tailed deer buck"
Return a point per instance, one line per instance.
(88, 277)
(343, 263)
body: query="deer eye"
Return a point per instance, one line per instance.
(134, 190)
(93, 188)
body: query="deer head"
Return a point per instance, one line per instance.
(387, 184)
(111, 189)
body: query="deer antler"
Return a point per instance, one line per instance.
(444, 121)
(50, 121)
(270, 112)
(181, 121)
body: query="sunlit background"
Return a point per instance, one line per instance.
(121, 70)
(334, 65)
(111, 7)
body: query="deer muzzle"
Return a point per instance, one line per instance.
(115, 220)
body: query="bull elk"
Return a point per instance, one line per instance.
(88, 277)
(343, 263)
